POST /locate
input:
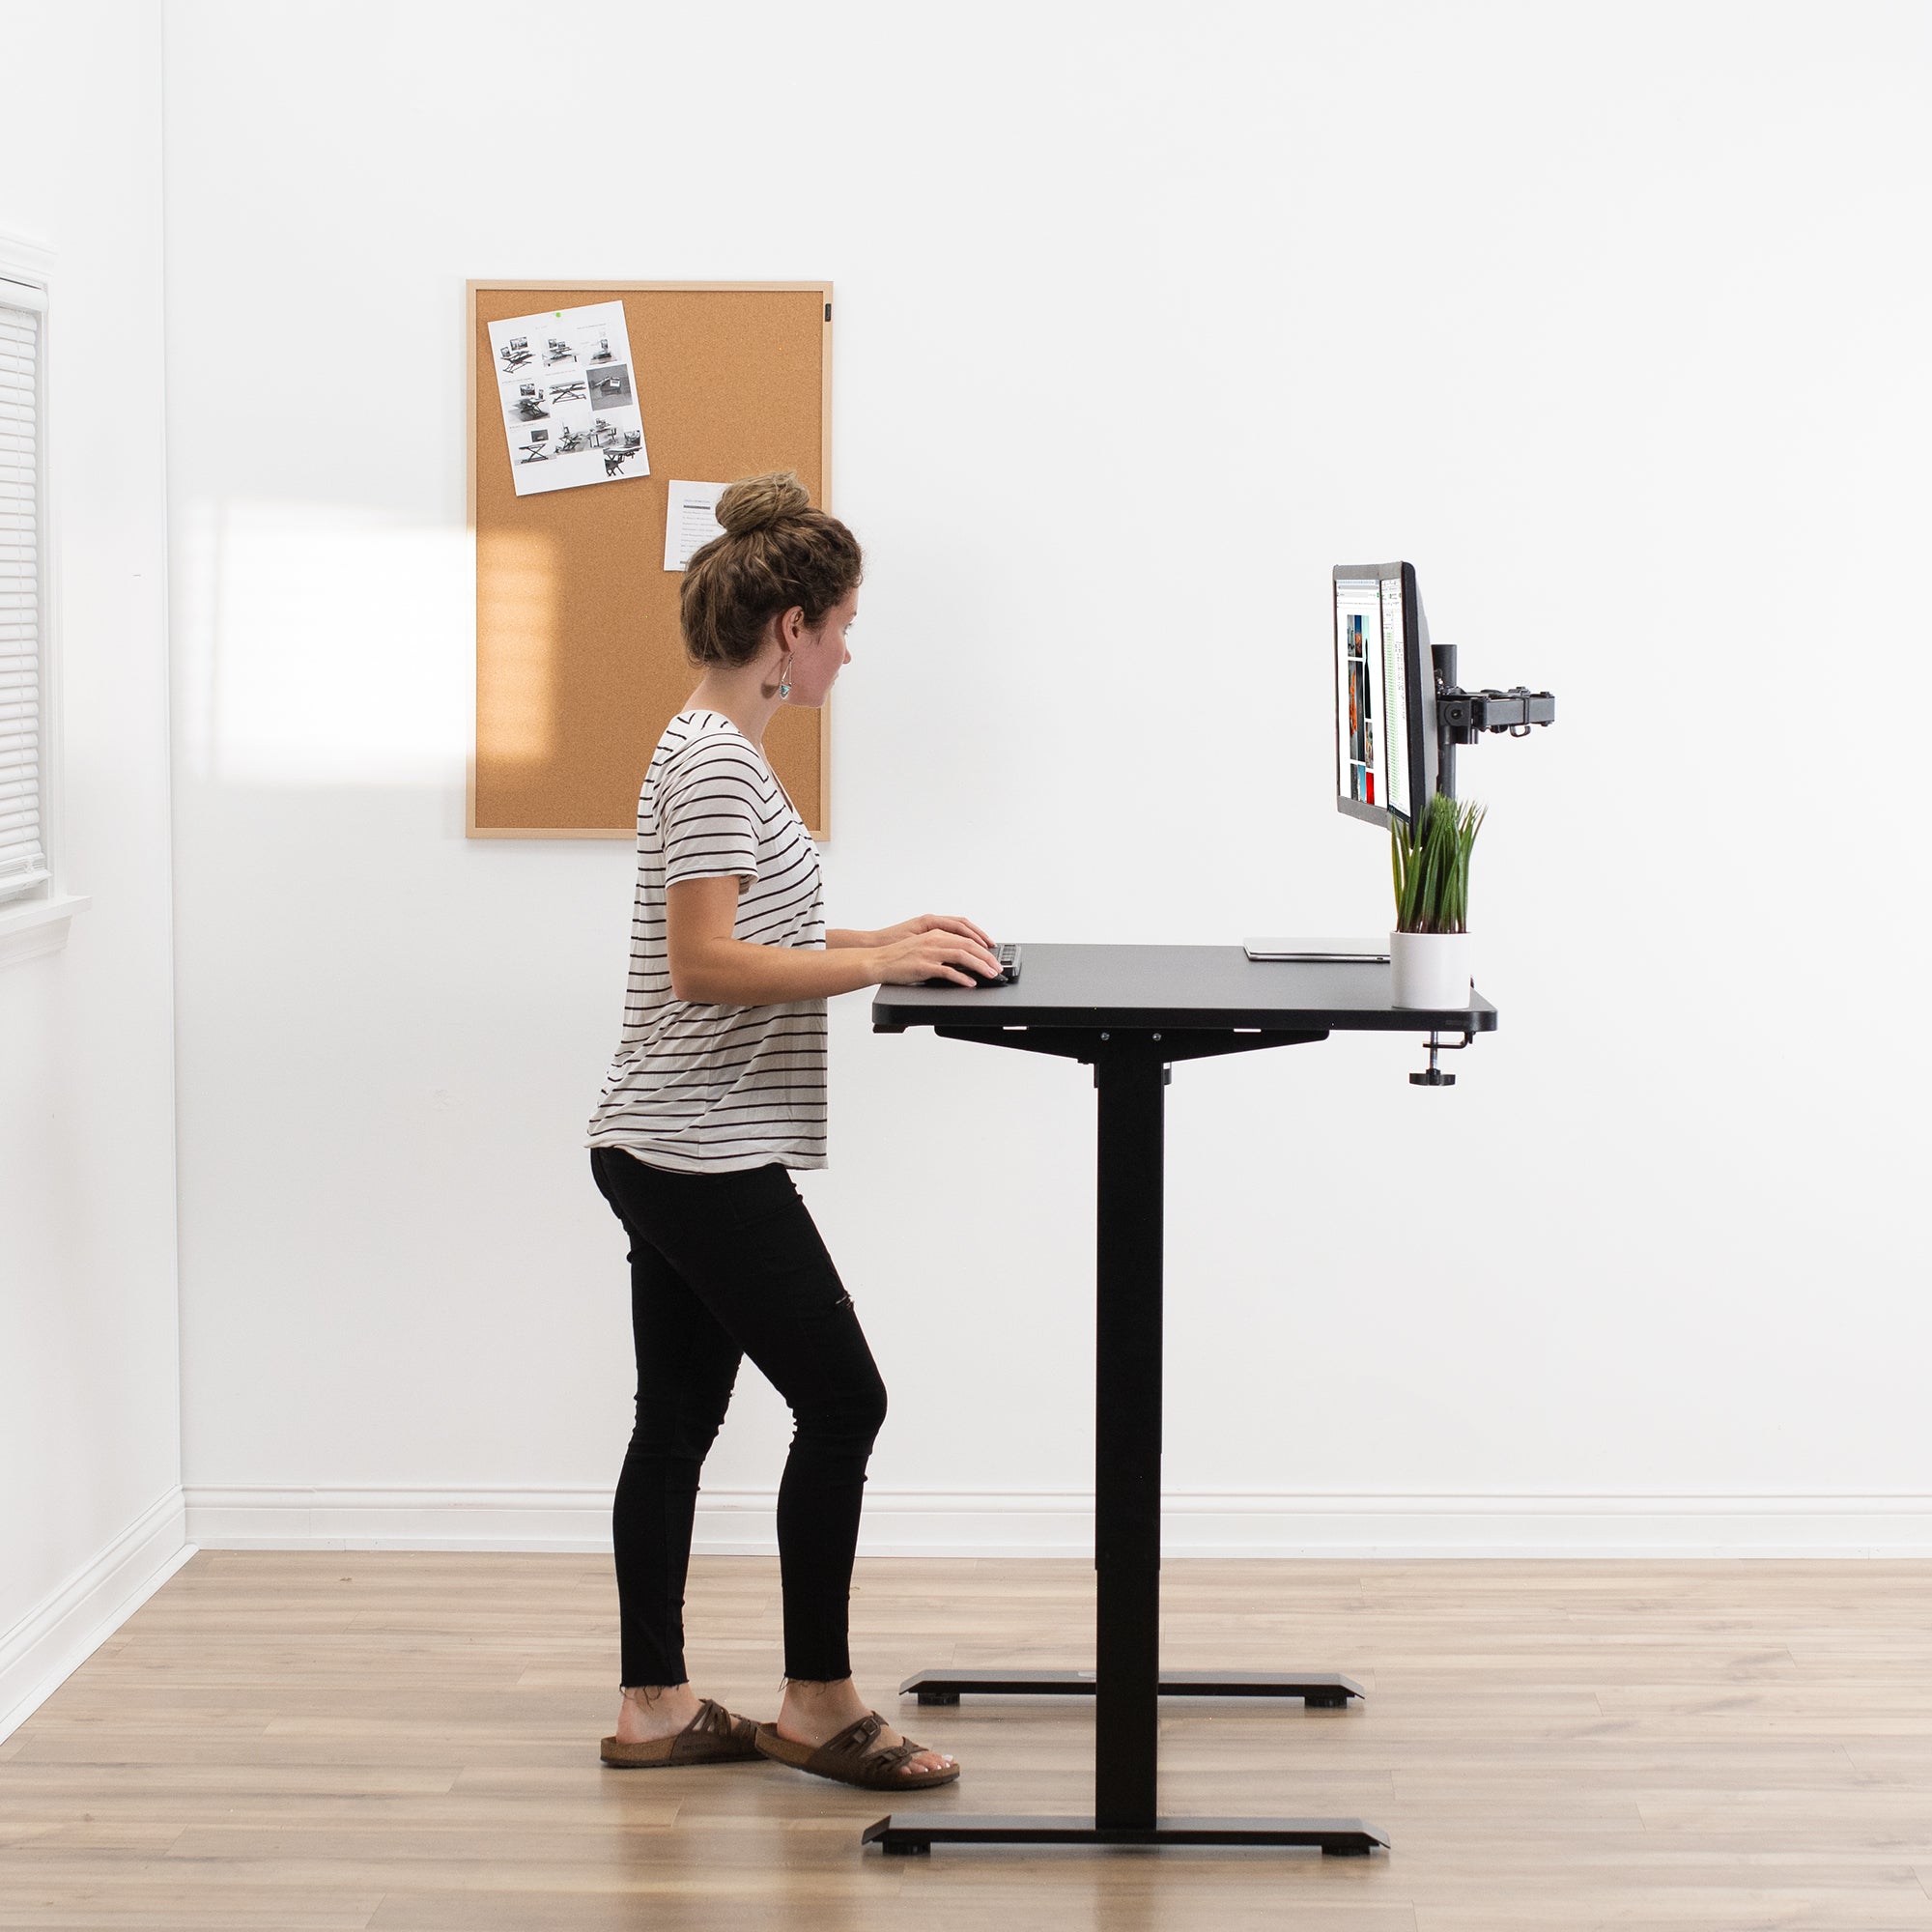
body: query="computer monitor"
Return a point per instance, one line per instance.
(1386, 751)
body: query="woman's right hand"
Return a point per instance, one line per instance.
(935, 955)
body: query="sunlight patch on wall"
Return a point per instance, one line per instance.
(518, 587)
(318, 642)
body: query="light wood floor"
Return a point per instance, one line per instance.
(406, 1744)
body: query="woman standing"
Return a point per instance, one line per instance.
(717, 1091)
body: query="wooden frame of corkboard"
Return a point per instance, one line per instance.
(579, 662)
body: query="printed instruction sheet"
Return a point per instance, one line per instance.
(570, 398)
(689, 522)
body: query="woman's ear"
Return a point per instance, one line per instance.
(791, 627)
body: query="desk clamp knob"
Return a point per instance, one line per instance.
(1435, 1077)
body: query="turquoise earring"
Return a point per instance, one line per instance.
(784, 678)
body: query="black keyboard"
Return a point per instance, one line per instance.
(1008, 956)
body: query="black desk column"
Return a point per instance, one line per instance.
(1132, 1080)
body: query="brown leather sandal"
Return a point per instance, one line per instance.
(713, 1737)
(852, 1759)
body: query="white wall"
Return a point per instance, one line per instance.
(1613, 320)
(90, 1442)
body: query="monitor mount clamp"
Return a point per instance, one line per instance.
(1435, 1077)
(1462, 717)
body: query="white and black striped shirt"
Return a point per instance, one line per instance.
(708, 1088)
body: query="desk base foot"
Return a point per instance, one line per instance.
(1318, 1690)
(910, 1833)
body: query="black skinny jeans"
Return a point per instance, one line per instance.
(724, 1265)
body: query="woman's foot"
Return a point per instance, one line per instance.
(655, 1710)
(815, 1714)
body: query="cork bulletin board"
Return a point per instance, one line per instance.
(578, 664)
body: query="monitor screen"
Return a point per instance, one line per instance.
(1384, 691)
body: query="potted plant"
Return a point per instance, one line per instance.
(1428, 949)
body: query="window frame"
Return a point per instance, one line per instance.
(35, 919)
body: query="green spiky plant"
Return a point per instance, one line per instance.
(1432, 867)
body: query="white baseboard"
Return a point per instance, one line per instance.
(52, 1640)
(908, 1522)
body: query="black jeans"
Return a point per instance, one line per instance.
(724, 1265)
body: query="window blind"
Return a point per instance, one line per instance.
(22, 858)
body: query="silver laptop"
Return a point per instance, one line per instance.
(1369, 951)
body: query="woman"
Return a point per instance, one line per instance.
(718, 1088)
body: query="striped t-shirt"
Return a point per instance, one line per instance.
(708, 1088)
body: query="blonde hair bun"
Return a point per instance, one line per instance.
(755, 503)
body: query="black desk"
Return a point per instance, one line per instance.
(1129, 1012)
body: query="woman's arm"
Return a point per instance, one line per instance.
(712, 967)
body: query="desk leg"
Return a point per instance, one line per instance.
(1127, 1439)
(1131, 1076)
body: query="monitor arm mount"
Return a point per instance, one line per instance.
(1462, 717)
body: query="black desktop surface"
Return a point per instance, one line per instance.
(1179, 987)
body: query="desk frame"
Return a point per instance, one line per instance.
(1131, 1070)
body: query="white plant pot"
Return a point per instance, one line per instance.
(1430, 969)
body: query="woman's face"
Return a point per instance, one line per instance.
(821, 654)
